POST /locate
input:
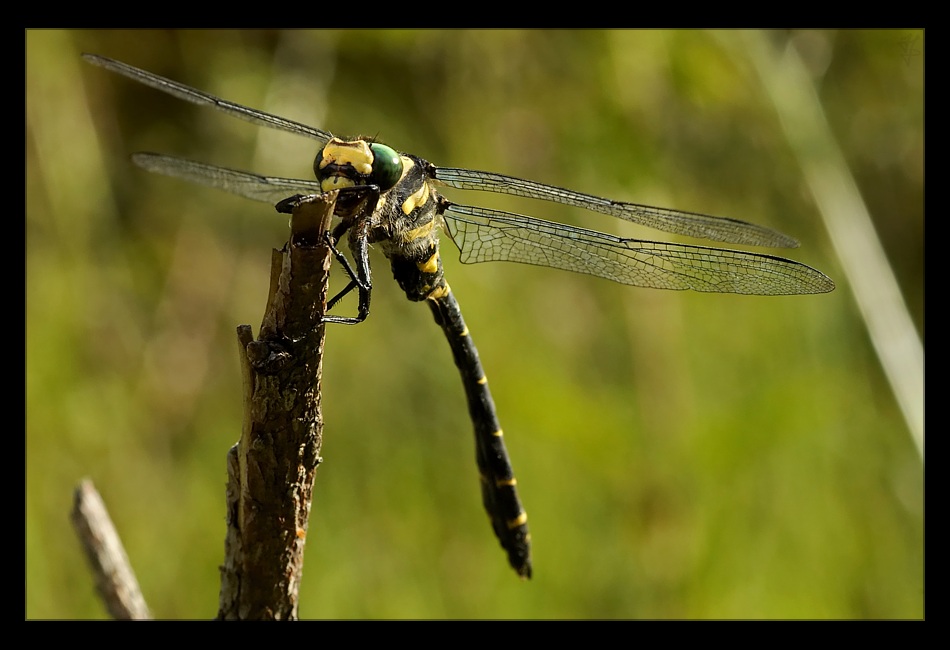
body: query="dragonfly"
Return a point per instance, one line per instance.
(392, 199)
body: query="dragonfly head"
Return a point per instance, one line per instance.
(343, 163)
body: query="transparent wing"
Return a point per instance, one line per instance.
(692, 224)
(195, 96)
(484, 235)
(268, 189)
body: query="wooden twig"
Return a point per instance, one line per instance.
(115, 579)
(272, 468)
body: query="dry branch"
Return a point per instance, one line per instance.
(115, 579)
(271, 469)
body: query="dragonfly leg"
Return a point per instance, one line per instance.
(357, 223)
(361, 275)
(354, 277)
(360, 278)
(286, 206)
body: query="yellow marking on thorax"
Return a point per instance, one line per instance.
(499, 433)
(417, 233)
(417, 198)
(507, 482)
(431, 265)
(438, 292)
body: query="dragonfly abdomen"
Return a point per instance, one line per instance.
(499, 491)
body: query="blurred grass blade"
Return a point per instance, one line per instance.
(872, 281)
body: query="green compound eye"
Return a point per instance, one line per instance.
(387, 166)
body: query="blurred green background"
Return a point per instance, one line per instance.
(679, 455)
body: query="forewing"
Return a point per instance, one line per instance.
(195, 96)
(269, 189)
(692, 224)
